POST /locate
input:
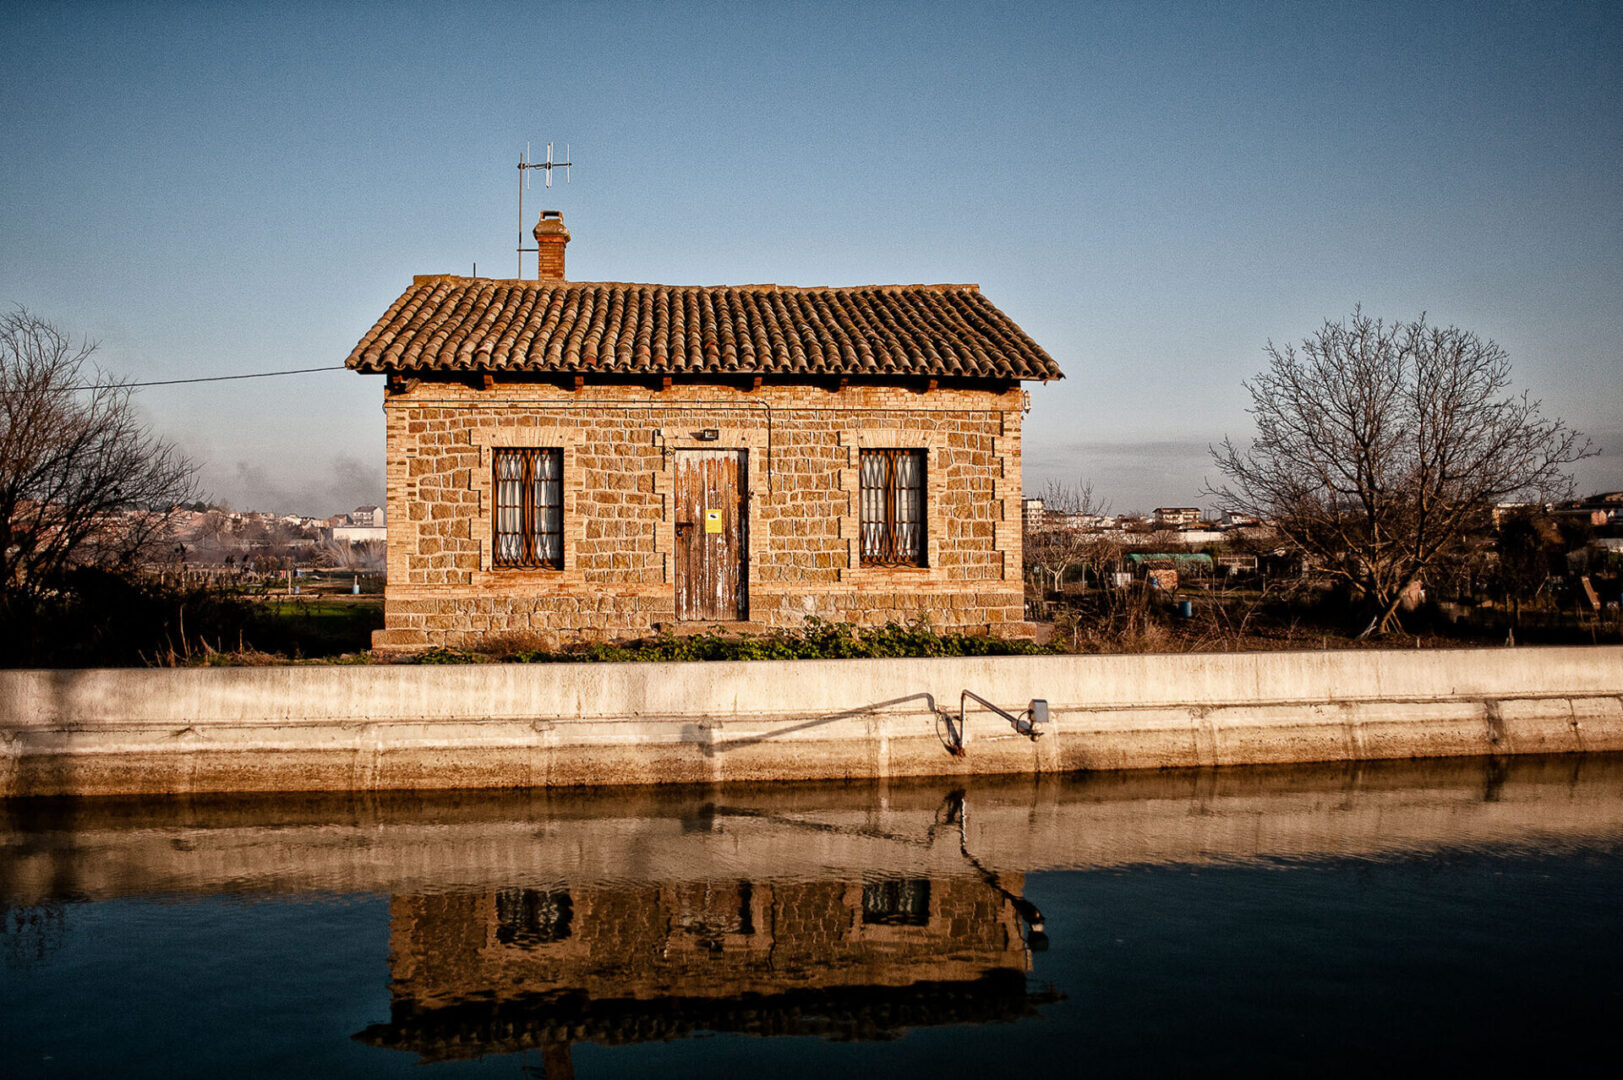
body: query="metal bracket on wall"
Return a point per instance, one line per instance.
(1024, 723)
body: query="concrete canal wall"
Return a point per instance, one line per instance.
(483, 726)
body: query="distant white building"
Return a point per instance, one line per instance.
(366, 515)
(1174, 517)
(1074, 522)
(1194, 537)
(359, 534)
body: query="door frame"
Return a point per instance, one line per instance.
(688, 457)
(670, 439)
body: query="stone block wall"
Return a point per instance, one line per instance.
(803, 445)
(700, 939)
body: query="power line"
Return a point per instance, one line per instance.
(180, 382)
(210, 378)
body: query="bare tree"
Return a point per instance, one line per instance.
(83, 482)
(1068, 536)
(1379, 448)
(363, 556)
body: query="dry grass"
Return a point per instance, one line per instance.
(1143, 621)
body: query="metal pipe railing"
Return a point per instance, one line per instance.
(1035, 713)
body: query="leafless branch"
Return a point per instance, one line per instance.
(83, 482)
(1379, 447)
(1067, 536)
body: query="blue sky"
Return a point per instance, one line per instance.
(1153, 191)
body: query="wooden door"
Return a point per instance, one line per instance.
(712, 534)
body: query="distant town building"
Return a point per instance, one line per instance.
(1603, 509)
(360, 534)
(1037, 516)
(1175, 517)
(1055, 519)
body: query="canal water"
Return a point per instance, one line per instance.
(1394, 918)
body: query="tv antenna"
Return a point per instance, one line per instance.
(524, 167)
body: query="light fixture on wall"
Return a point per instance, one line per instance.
(709, 434)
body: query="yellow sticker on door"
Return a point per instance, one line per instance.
(712, 521)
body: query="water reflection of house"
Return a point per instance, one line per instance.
(516, 969)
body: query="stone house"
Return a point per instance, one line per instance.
(605, 459)
(511, 970)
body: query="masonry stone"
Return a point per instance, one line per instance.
(802, 445)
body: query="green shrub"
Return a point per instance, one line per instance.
(99, 618)
(816, 640)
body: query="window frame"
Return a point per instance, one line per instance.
(887, 551)
(896, 901)
(526, 918)
(533, 517)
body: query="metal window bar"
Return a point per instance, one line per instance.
(892, 506)
(529, 508)
(896, 902)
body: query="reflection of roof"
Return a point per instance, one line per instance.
(445, 323)
(848, 1013)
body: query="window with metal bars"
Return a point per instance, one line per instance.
(892, 507)
(531, 917)
(529, 508)
(896, 902)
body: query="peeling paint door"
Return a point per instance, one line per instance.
(712, 534)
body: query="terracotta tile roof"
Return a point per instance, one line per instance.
(479, 324)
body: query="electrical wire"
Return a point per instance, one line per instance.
(171, 382)
(209, 378)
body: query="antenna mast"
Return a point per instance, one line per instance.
(524, 167)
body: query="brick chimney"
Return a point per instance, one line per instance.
(550, 238)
